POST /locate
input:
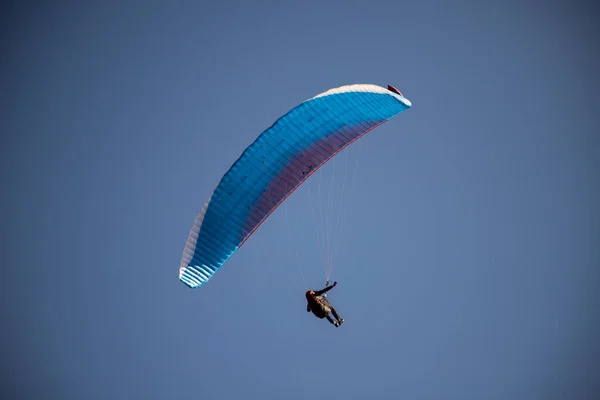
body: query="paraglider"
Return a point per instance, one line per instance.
(275, 164)
(321, 307)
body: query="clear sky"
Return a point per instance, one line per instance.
(468, 264)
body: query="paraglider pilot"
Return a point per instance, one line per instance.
(321, 307)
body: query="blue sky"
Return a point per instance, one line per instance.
(468, 264)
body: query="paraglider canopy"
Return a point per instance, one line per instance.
(275, 164)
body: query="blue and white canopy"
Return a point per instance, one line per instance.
(271, 168)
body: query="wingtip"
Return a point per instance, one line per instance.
(402, 99)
